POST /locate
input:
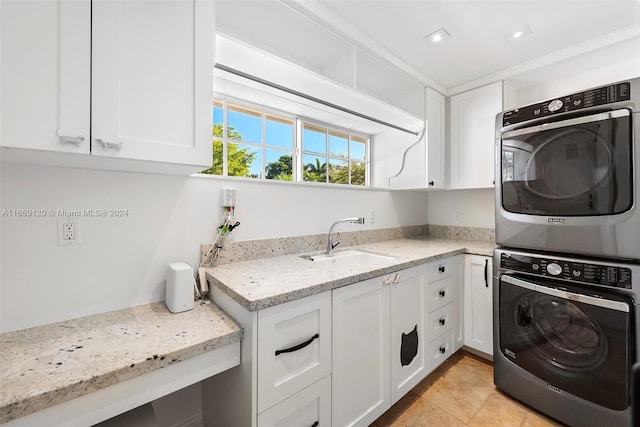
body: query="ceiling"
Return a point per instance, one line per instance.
(330, 36)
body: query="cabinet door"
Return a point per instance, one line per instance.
(473, 117)
(152, 91)
(435, 105)
(294, 347)
(360, 390)
(478, 303)
(308, 407)
(408, 335)
(45, 91)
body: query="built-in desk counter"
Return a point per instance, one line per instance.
(86, 370)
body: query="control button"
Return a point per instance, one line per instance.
(555, 105)
(577, 102)
(554, 269)
(537, 111)
(535, 267)
(576, 273)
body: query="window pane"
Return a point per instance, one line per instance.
(338, 144)
(244, 160)
(358, 148)
(358, 173)
(314, 139)
(278, 165)
(279, 132)
(216, 169)
(244, 123)
(315, 168)
(338, 171)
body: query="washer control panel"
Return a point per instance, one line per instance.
(597, 274)
(589, 98)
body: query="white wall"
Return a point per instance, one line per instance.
(476, 208)
(121, 262)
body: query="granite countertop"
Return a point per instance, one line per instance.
(267, 282)
(47, 365)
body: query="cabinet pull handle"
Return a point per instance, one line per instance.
(431, 183)
(109, 145)
(441, 269)
(443, 350)
(442, 293)
(387, 281)
(486, 267)
(77, 140)
(396, 279)
(442, 321)
(316, 424)
(299, 346)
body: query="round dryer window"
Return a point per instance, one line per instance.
(568, 163)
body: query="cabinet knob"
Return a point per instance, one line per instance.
(442, 293)
(442, 321)
(109, 145)
(441, 269)
(443, 350)
(431, 183)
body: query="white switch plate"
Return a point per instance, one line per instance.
(372, 216)
(458, 215)
(68, 231)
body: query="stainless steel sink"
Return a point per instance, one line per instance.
(351, 258)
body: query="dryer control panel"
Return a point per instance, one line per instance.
(589, 98)
(592, 273)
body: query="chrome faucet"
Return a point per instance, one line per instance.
(330, 243)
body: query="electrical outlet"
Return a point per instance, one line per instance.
(458, 215)
(68, 231)
(372, 216)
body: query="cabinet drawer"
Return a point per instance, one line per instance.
(440, 321)
(294, 347)
(439, 350)
(440, 294)
(439, 270)
(310, 406)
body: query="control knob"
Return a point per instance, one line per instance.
(555, 105)
(554, 269)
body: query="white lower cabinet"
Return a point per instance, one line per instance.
(309, 407)
(478, 303)
(341, 357)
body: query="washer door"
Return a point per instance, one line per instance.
(577, 343)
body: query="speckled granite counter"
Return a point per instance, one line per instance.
(51, 364)
(263, 283)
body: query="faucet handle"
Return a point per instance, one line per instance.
(333, 245)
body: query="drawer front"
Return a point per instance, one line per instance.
(440, 321)
(439, 269)
(440, 294)
(440, 349)
(294, 347)
(308, 407)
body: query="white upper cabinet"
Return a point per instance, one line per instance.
(472, 130)
(124, 79)
(45, 92)
(423, 163)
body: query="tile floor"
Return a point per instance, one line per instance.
(460, 392)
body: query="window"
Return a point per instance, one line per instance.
(333, 156)
(249, 142)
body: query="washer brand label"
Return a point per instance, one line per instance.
(556, 389)
(509, 353)
(557, 220)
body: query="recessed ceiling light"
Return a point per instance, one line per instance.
(521, 32)
(438, 36)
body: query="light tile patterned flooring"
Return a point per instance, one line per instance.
(460, 392)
